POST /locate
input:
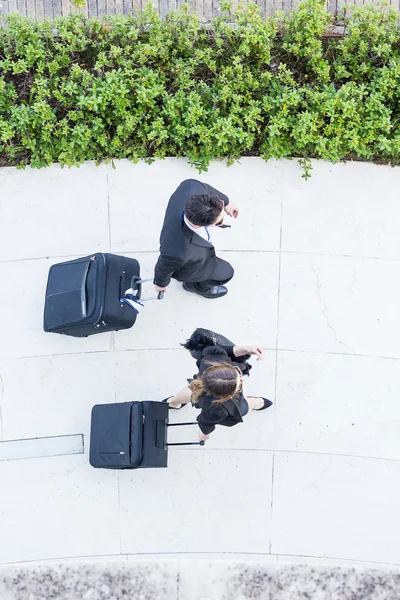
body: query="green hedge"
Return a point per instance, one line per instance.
(77, 89)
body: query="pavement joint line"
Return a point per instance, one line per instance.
(332, 255)
(283, 451)
(40, 447)
(208, 449)
(112, 344)
(228, 250)
(119, 513)
(181, 555)
(54, 355)
(124, 252)
(331, 353)
(276, 374)
(31, 258)
(1, 407)
(339, 454)
(318, 352)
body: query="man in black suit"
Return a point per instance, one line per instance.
(186, 249)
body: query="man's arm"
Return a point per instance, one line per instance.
(213, 192)
(165, 268)
(230, 207)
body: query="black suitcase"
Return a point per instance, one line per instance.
(89, 295)
(131, 435)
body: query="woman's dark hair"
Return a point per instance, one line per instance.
(219, 380)
(203, 209)
(204, 338)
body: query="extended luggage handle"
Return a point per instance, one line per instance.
(133, 295)
(185, 443)
(136, 284)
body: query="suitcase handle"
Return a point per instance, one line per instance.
(188, 443)
(160, 434)
(185, 443)
(180, 424)
(136, 283)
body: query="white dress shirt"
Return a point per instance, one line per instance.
(203, 232)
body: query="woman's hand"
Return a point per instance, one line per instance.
(203, 437)
(256, 350)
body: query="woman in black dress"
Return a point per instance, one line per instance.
(217, 389)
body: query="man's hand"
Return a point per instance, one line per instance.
(232, 210)
(203, 437)
(160, 289)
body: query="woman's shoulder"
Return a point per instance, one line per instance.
(211, 356)
(214, 351)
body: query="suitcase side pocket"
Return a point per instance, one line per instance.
(67, 302)
(110, 436)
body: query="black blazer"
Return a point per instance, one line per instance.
(184, 255)
(226, 413)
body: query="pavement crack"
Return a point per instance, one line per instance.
(354, 280)
(325, 310)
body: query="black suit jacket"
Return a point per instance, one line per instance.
(184, 255)
(226, 413)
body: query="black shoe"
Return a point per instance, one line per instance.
(216, 292)
(267, 404)
(173, 407)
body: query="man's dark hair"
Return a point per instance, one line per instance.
(203, 209)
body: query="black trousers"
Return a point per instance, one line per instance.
(222, 273)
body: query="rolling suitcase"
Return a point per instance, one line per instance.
(92, 294)
(131, 435)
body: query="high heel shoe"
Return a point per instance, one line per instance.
(267, 404)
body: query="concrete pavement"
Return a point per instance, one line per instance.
(316, 477)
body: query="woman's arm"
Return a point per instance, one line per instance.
(208, 419)
(203, 437)
(234, 351)
(231, 351)
(242, 350)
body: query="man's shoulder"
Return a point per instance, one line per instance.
(191, 181)
(177, 201)
(190, 187)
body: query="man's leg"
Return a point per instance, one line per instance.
(214, 286)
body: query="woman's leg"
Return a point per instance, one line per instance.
(182, 397)
(254, 402)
